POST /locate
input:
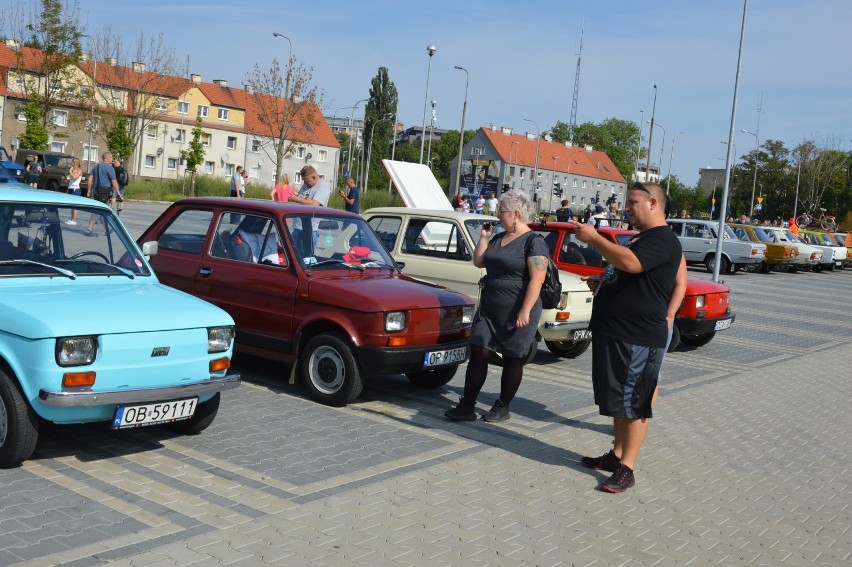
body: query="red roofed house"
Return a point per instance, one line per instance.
(496, 158)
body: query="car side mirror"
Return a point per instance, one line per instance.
(400, 265)
(150, 248)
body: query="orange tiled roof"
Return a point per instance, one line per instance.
(319, 133)
(518, 149)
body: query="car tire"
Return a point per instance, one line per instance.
(816, 268)
(675, 340)
(19, 424)
(567, 349)
(52, 186)
(329, 370)
(755, 268)
(697, 340)
(432, 378)
(205, 413)
(710, 263)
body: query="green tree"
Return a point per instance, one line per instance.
(35, 136)
(193, 155)
(118, 140)
(379, 116)
(561, 132)
(619, 139)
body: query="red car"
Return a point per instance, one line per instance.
(705, 308)
(312, 287)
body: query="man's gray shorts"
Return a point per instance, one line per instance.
(624, 377)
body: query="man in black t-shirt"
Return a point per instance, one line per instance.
(564, 213)
(630, 326)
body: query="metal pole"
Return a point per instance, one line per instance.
(461, 132)
(671, 156)
(798, 177)
(349, 165)
(754, 181)
(537, 141)
(431, 49)
(431, 131)
(651, 137)
(639, 148)
(289, 66)
(393, 149)
(370, 152)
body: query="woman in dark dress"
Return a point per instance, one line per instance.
(515, 262)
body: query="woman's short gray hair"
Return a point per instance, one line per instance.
(517, 200)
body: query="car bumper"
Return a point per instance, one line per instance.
(83, 398)
(399, 360)
(703, 326)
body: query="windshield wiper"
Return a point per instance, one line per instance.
(67, 273)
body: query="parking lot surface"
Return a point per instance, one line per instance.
(747, 462)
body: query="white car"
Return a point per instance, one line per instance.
(698, 240)
(834, 254)
(809, 258)
(437, 245)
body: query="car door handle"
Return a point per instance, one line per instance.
(205, 272)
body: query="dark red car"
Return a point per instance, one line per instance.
(312, 287)
(705, 308)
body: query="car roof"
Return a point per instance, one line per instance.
(18, 193)
(436, 213)
(263, 205)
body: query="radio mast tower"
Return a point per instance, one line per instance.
(573, 122)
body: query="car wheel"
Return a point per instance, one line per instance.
(567, 349)
(816, 268)
(52, 186)
(205, 413)
(329, 370)
(697, 340)
(675, 341)
(754, 268)
(764, 268)
(710, 264)
(18, 425)
(432, 378)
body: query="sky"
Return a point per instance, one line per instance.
(521, 59)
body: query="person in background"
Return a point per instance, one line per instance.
(283, 190)
(600, 218)
(102, 186)
(123, 179)
(564, 213)
(492, 205)
(631, 327)
(515, 263)
(352, 198)
(34, 170)
(479, 205)
(794, 226)
(75, 175)
(315, 191)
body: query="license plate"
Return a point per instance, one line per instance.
(582, 335)
(152, 414)
(722, 325)
(442, 357)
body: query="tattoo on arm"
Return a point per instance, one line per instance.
(539, 263)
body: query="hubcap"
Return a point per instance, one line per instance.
(327, 370)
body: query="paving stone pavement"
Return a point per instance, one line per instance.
(747, 462)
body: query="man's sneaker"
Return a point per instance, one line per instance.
(621, 480)
(462, 412)
(608, 462)
(71, 222)
(498, 412)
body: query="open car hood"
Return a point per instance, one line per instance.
(417, 186)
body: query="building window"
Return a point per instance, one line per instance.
(223, 114)
(584, 184)
(511, 171)
(255, 146)
(575, 183)
(203, 109)
(180, 135)
(300, 152)
(162, 104)
(232, 143)
(205, 139)
(573, 199)
(582, 200)
(60, 117)
(323, 155)
(209, 167)
(183, 107)
(91, 154)
(171, 163)
(57, 147)
(297, 178)
(150, 160)
(523, 173)
(116, 98)
(151, 131)
(229, 169)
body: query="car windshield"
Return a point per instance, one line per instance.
(792, 237)
(332, 242)
(840, 239)
(38, 240)
(764, 235)
(474, 228)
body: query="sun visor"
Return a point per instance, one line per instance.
(417, 186)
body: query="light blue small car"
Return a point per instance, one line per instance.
(88, 333)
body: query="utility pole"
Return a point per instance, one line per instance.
(573, 122)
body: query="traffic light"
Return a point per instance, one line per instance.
(597, 197)
(557, 189)
(505, 187)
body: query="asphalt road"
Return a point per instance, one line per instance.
(747, 463)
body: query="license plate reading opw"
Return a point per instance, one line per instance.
(722, 325)
(442, 357)
(151, 414)
(582, 335)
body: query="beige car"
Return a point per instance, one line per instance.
(437, 245)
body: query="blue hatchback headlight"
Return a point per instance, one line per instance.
(219, 339)
(76, 351)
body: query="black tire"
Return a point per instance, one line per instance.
(764, 268)
(710, 263)
(205, 413)
(816, 268)
(754, 268)
(432, 378)
(793, 269)
(329, 370)
(830, 268)
(675, 342)
(567, 349)
(18, 425)
(697, 340)
(52, 186)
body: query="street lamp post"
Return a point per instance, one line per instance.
(639, 148)
(431, 131)
(651, 136)
(370, 151)
(461, 132)
(289, 65)
(537, 140)
(552, 184)
(671, 157)
(754, 182)
(349, 164)
(91, 125)
(517, 153)
(662, 146)
(431, 49)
